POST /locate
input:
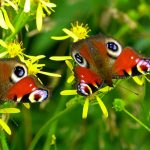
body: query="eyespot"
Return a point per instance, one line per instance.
(18, 72)
(84, 89)
(114, 49)
(38, 95)
(79, 59)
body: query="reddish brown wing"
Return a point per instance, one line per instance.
(16, 85)
(92, 54)
(102, 59)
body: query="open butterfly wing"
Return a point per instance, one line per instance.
(17, 85)
(102, 59)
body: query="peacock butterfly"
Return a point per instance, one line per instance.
(17, 85)
(100, 59)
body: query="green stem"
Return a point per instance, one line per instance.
(141, 123)
(46, 125)
(3, 140)
(53, 127)
(52, 130)
(20, 21)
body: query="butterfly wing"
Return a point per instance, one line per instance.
(129, 63)
(88, 81)
(101, 59)
(92, 54)
(17, 85)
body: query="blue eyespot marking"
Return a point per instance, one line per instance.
(112, 46)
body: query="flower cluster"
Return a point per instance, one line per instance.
(9, 45)
(10, 48)
(88, 99)
(78, 32)
(42, 8)
(4, 111)
(15, 49)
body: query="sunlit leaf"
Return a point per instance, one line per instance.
(85, 108)
(5, 126)
(102, 106)
(9, 110)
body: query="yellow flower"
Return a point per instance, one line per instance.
(66, 59)
(34, 67)
(77, 32)
(4, 111)
(43, 7)
(141, 79)
(60, 58)
(88, 99)
(94, 96)
(12, 49)
(86, 106)
(74, 92)
(68, 63)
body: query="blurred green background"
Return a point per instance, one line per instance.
(128, 22)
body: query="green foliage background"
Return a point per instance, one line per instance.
(128, 22)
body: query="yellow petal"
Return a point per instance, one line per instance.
(3, 23)
(2, 43)
(21, 57)
(5, 126)
(60, 58)
(3, 54)
(27, 6)
(27, 105)
(46, 9)
(85, 108)
(9, 110)
(50, 5)
(71, 34)
(7, 20)
(102, 106)
(138, 80)
(38, 65)
(12, 4)
(105, 89)
(50, 74)
(39, 14)
(70, 79)
(60, 37)
(35, 58)
(68, 92)
(69, 64)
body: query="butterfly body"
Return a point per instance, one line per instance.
(104, 59)
(17, 85)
